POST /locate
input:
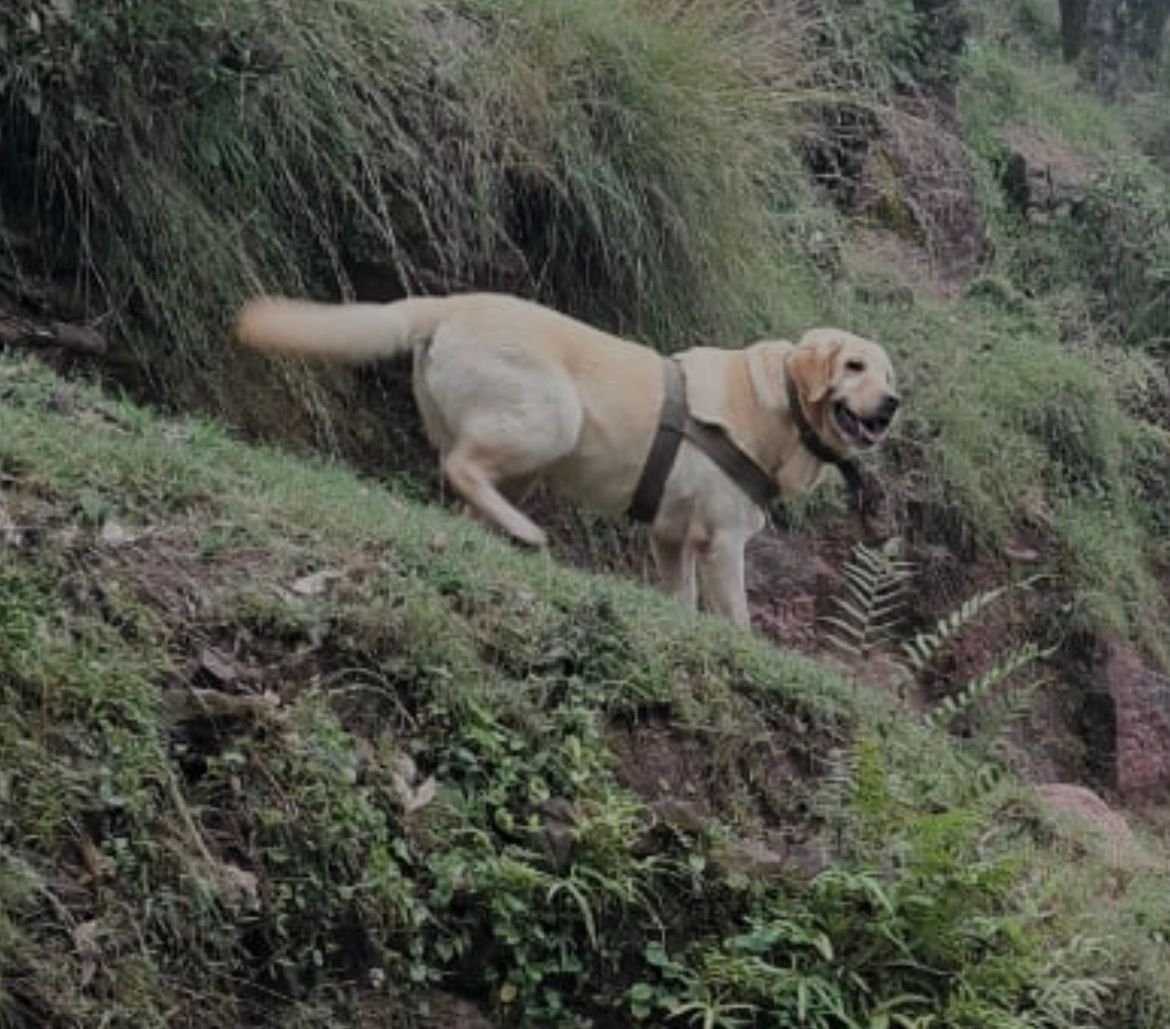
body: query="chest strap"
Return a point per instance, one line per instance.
(676, 422)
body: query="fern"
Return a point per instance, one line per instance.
(926, 646)
(869, 613)
(1008, 706)
(868, 616)
(981, 688)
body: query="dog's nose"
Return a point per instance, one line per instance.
(890, 405)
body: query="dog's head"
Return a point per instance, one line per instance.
(847, 387)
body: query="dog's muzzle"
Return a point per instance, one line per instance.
(866, 430)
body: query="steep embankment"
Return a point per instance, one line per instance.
(280, 747)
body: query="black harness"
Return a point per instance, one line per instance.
(675, 423)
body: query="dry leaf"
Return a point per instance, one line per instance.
(86, 944)
(403, 766)
(217, 666)
(421, 797)
(239, 883)
(10, 534)
(115, 534)
(98, 865)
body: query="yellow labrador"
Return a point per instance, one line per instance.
(511, 392)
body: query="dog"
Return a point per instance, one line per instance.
(511, 392)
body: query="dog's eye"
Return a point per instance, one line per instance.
(855, 366)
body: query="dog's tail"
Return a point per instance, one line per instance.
(337, 332)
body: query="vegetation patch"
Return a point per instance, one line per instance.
(282, 747)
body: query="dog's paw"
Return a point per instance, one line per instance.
(529, 536)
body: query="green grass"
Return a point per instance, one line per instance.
(635, 164)
(187, 155)
(164, 864)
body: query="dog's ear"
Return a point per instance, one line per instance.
(811, 365)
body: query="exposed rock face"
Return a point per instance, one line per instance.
(1140, 698)
(1044, 177)
(917, 179)
(785, 577)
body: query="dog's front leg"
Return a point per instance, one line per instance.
(676, 569)
(721, 578)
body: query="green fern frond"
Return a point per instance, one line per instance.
(980, 688)
(926, 646)
(869, 612)
(1007, 707)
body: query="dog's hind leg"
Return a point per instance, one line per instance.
(473, 473)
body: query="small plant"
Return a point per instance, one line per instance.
(870, 616)
(870, 611)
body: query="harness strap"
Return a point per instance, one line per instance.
(672, 423)
(676, 422)
(739, 466)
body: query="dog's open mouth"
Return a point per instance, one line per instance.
(863, 432)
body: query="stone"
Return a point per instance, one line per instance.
(1120, 846)
(749, 858)
(1140, 699)
(1045, 179)
(447, 1011)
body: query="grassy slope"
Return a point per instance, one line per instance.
(133, 828)
(167, 857)
(633, 165)
(1034, 399)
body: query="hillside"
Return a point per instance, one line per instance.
(282, 748)
(285, 743)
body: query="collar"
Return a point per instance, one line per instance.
(819, 449)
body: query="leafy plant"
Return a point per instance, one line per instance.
(869, 617)
(870, 611)
(982, 688)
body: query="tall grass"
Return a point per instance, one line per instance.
(620, 160)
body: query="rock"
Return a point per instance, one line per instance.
(1121, 847)
(446, 1011)
(1045, 179)
(1140, 698)
(807, 859)
(557, 838)
(680, 815)
(917, 180)
(750, 858)
(314, 584)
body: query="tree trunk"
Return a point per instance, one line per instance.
(1074, 16)
(1150, 20)
(1107, 31)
